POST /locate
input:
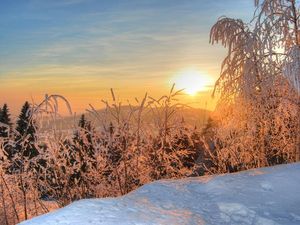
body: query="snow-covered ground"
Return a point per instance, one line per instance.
(262, 196)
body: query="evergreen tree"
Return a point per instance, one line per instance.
(5, 129)
(5, 119)
(83, 137)
(82, 157)
(26, 133)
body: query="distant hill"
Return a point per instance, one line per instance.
(192, 116)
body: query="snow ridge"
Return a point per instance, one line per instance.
(265, 196)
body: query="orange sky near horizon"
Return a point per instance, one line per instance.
(84, 90)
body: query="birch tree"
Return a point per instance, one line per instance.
(259, 85)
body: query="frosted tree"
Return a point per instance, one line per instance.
(256, 56)
(258, 80)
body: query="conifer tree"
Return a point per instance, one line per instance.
(83, 137)
(82, 158)
(5, 119)
(26, 133)
(5, 129)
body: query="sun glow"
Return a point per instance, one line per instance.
(192, 81)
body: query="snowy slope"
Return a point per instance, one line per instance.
(262, 196)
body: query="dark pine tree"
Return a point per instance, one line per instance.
(5, 119)
(82, 152)
(5, 130)
(25, 137)
(83, 138)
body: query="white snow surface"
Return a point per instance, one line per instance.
(264, 196)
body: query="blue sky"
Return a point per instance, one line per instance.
(92, 45)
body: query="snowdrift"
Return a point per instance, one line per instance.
(261, 196)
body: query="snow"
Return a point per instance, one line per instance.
(263, 196)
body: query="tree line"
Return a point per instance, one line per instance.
(46, 165)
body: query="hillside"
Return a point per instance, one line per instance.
(261, 196)
(192, 116)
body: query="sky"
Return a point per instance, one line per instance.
(82, 48)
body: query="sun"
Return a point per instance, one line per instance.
(192, 81)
